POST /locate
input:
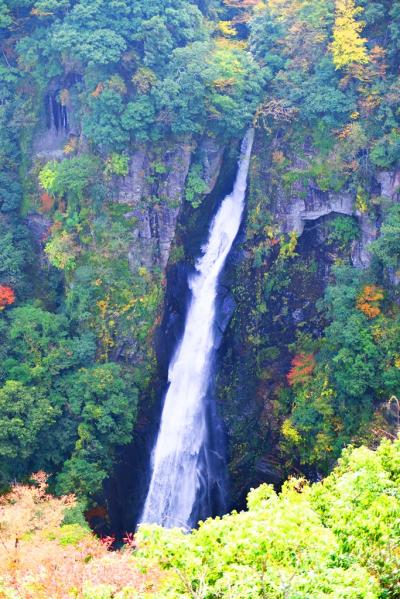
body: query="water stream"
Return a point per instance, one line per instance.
(183, 483)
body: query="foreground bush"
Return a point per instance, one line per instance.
(339, 538)
(40, 558)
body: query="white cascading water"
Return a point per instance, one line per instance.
(176, 476)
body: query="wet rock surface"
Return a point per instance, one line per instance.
(59, 124)
(124, 491)
(390, 184)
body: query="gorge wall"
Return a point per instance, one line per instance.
(278, 300)
(258, 328)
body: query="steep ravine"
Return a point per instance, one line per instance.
(256, 333)
(124, 492)
(254, 356)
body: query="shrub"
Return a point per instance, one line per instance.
(303, 366)
(196, 187)
(116, 164)
(338, 538)
(39, 557)
(7, 296)
(343, 231)
(62, 251)
(369, 299)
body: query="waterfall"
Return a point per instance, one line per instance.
(181, 476)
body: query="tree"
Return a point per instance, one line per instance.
(348, 46)
(5, 16)
(104, 405)
(357, 502)
(62, 251)
(303, 366)
(92, 33)
(25, 413)
(387, 246)
(7, 296)
(336, 538)
(369, 300)
(10, 191)
(70, 179)
(102, 122)
(139, 118)
(12, 258)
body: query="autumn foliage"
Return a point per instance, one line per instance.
(244, 7)
(99, 90)
(7, 296)
(348, 46)
(42, 558)
(46, 202)
(303, 366)
(369, 299)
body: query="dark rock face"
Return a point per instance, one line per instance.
(60, 120)
(254, 358)
(227, 305)
(211, 158)
(56, 113)
(267, 471)
(39, 226)
(390, 184)
(177, 298)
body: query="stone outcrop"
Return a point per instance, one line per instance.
(292, 212)
(49, 144)
(155, 202)
(154, 187)
(211, 153)
(360, 256)
(157, 197)
(390, 184)
(39, 226)
(133, 187)
(59, 125)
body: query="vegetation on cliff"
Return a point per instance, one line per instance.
(77, 349)
(327, 135)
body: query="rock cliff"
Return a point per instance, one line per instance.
(155, 190)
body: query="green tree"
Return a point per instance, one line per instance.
(387, 247)
(70, 179)
(25, 414)
(336, 538)
(104, 405)
(13, 256)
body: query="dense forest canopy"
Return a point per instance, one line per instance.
(105, 82)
